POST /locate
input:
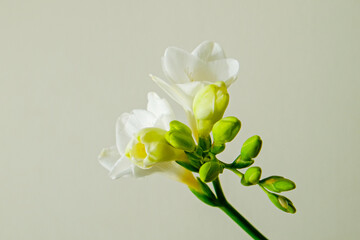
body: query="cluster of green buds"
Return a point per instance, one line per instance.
(209, 106)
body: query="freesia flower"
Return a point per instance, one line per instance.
(187, 73)
(133, 146)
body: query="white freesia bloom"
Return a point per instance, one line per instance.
(187, 73)
(114, 159)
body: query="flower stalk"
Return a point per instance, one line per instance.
(227, 208)
(153, 141)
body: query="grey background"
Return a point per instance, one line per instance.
(68, 69)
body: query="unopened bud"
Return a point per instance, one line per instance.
(282, 202)
(179, 126)
(277, 184)
(251, 147)
(225, 130)
(241, 162)
(180, 140)
(251, 176)
(210, 171)
(209, 106)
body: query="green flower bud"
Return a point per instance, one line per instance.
(282, 202)
(241, 162)
(149, 147)
(277, 184)
(210, 171)
(251, 176)
(225, 130)
(180, 140)
(209, 106)
(251, 147)
(180, 127)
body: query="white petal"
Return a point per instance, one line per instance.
(209, 51)
(139, 172)
(158, 106)
(225, 69)
(122, 168)
(128, 125)
(192, 88)
(174, 92)
(108, 157)
(179, 65)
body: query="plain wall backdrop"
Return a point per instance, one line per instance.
(68, 69)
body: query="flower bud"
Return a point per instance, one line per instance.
(277, 184)
(241, 162)
(210, 171)
(251, 147)
(209, 106)
(179, 126)
(251, 176)
(282, 202)
(149, 147)
(180, 140)
(225, 130)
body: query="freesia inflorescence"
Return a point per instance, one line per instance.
(153, 141)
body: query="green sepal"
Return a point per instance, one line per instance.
(241, 162)
(208, 196)
(251, 176)
(251, 147)
(198, 152)
(277, 184)
(205, 143)
(188, 166)
(209, 171)
(282, 202)
(209, 156)
(194, 161)
(216, 149)
(206, 189)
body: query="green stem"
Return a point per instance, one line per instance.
(234, 214)
(236, 172)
